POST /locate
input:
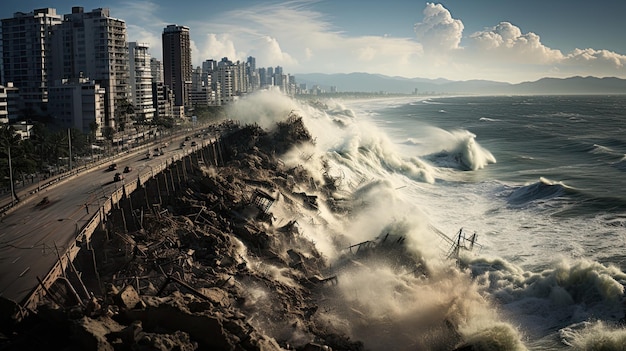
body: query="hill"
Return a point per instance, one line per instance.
(376, 83)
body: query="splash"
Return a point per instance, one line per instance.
(458, 149)
(400, 294)
(594, 336)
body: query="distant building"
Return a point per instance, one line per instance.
(202, 93)
(78, 103)
(156, 70)
(26, 54)
(177, 62)
(141, 82)
(163, 98)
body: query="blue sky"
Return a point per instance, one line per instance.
(503, 40)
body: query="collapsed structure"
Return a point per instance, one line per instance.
(208, 266)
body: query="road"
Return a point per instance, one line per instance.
(32, 236)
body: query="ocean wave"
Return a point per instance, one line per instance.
(621, 164)
(595, 335)
(487, 119)
(544, 189)
(461, 152)
(599, 149)
(565, 293)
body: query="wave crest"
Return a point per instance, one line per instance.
(460, 150)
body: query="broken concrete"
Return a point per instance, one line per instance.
(205, 268)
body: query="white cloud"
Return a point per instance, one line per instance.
(507, 42)
(268, 50)
(299, 39)
(216, 46)
(438, 31)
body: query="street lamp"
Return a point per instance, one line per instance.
(11, 177)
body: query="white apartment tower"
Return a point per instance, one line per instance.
(25, 54)
(224, 77)
(140, 81)
(93, 45)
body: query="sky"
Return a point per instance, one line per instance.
(501, 40)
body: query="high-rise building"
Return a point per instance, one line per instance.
(254, 82)
(140, 81)
(25, 54)
(93, 45)
(224, 78)
(156, 68)
(177, 66)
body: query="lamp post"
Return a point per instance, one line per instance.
(69, 141)
(13, 197)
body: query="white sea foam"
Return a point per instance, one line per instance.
(511, 291)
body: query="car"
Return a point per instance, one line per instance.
(187, 138)
(112, 167)
(118, 176)
(193, 143)
(128, 169)
(182, 145)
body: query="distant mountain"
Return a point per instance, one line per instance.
(374, 83)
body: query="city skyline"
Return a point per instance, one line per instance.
(452, 39)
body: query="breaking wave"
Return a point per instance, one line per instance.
(544, 189)
(460, 151)
(394, 290)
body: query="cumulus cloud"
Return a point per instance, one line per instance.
(216, 46)
(506, 41)
(267, 49)
(438, 31)
(299, 39)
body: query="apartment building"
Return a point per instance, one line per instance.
(140, 82)
(26, 53)
(177, 66)
(93, 44)
(78, 103)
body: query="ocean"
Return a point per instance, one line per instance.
(540, 181)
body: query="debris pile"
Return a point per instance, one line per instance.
(208, 269)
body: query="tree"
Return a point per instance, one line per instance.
(9, 144)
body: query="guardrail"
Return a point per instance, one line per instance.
(90, 227)
(26, 194)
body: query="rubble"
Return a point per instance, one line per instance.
(207, 269)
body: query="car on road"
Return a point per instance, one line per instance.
(118, 176)
(128, 169)
(112, 167)
(193, 143)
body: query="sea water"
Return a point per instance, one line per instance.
(539, 179)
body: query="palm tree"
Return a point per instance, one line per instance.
(9, 140)
(58, 147)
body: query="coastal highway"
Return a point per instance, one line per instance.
(32, 236)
